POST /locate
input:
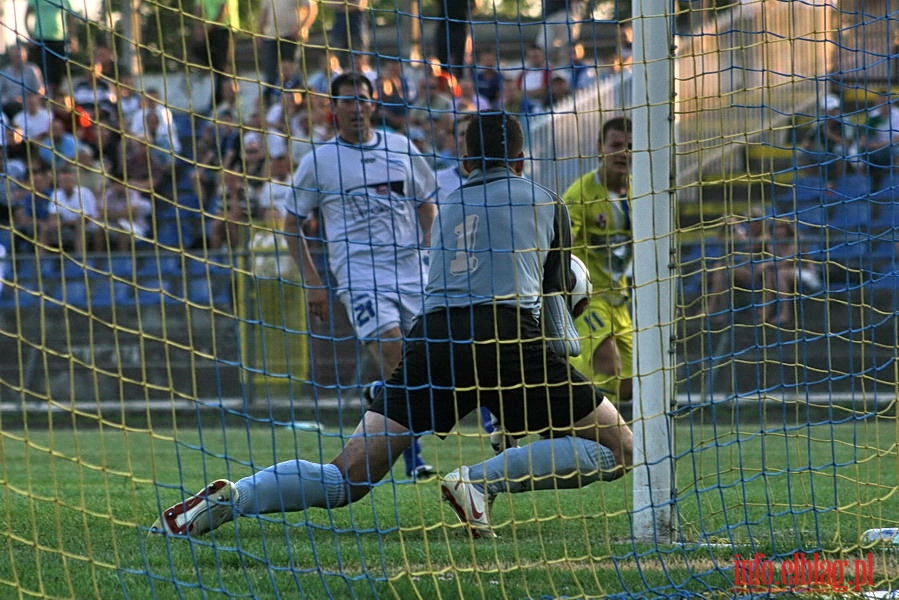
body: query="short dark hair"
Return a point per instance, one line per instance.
(354, 79)
(616, 124)
(493, 138)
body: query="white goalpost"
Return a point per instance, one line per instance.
(652, 115)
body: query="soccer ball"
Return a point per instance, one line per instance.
(581, 287)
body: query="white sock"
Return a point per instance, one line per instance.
(547, 464)
(291, 486)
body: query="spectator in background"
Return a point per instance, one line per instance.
(18, 79)
(762, 255)
(268, 245)
(561, 28)
(13, 177)
(126, 214)
(534, 80)
(149, 102)
(76, 210)
(253, 162)
(233, 211)
(214, 40)
(219, 144)
(60, 147)
(35, 119)
(445, 142)
(487, 77)
(350, 31)
(744, 240)
(512, 100)
(312, 126)
(328, 67)
(394, 93)
(277, 190)
(76, 118)
(107, 148)
(452, 34)
(138, 168)
(128, 101)
(103, 61)
(434, 98)
(616, 67)
(580, 72)
(32, 213)
(880, 139)
(229, 99)
(97, 89)
(52, 26)
(290, 78)
(558, 91)
(283, 25)
(161, 137)
(469, 100)
(90, 171)
(281, 114)
(786, 274)
(828, 144)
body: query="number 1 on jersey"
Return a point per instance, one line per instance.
(466, 235)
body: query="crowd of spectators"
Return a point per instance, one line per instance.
(98, 164)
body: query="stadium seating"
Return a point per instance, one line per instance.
(16, 295)
(73, 292)
(886, 218)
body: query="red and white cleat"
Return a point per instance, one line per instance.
(201, 513)
(471, 506)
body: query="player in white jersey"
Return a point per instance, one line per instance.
(376, 199)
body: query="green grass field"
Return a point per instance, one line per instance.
(76, 505)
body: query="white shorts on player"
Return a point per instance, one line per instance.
(371, 314)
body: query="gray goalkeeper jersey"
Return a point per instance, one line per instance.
(498, 239)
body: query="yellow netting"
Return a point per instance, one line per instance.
(154, 327)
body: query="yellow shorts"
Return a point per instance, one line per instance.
(600, 321)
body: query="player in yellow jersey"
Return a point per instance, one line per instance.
(599, 205)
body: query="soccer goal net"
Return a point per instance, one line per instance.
(209, 253)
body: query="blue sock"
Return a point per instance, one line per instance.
(548, 464)
(412, 457)
(488, 420)
(291, 486)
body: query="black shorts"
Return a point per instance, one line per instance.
(460, 359)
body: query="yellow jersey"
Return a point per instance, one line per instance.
(601, 234)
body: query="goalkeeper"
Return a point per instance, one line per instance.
(599, 205)
(499, 245)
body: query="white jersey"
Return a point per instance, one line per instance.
(80, 204)
(368, 198)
